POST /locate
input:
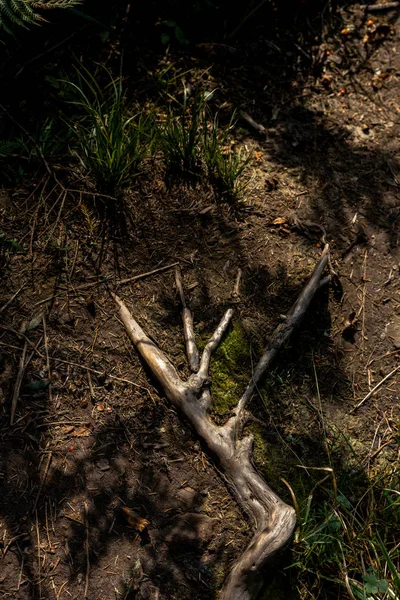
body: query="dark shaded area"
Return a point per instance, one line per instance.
(174, 552)
(262, 68)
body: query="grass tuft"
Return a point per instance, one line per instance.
(112, 144)
(346, 537)
(194, 144)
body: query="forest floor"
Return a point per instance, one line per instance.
(104, 488)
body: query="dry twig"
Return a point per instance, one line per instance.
(378, 385)
(18, 382)
(85, 595)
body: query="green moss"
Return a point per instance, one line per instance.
(260, 451)
(230, 370)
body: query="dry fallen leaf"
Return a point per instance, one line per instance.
(67, 429)
(82, 431)
(279, 221)
(134, 520)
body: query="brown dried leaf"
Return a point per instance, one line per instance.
(134, 521)
(67, 429)
(82, 431)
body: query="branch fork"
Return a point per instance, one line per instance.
(272, 519)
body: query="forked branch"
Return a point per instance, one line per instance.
(273, 521)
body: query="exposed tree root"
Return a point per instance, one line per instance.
(273, 521)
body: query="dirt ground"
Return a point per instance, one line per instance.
(104, 488)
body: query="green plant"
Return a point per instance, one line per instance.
(194, 143)
(21, 13)
(173, 31)
(182, 136)
(225, 167)
(111, 144)
(229, 173)
(346, 535)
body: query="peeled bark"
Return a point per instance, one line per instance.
(273, 521)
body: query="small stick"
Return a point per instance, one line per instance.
(378, 385)
(18, 383)
(192, 352)
(12, 298)
(87, 286)
(96, 372)
(246, 117)
(236, 287)
(85, 595)
(43, 479)
(13, 539)
(90, 385)
(364, 293)
(143, 275)
(21, 573)
(38, 553)
(383, 6)
(46, 348)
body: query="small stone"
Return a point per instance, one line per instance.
(103, 464)
(186, 497)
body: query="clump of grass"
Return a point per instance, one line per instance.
(346, 539)
(112, 144)
(181, 137)
(228, 170)
(195, 144)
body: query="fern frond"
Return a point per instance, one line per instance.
(22, 13)
(55, 3)
(16, 12)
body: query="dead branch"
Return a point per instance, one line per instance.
(236, 287)
(378, 385)
(383, 6)
(18, 382)
(250, 121)
(188, 331)
(272, 520)
(283, 332)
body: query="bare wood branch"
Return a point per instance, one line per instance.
(273, 521)
(378, 385)
(236, 288)
(283, 332)
(192, 352)
(250, 121)
(154, 357)
(212, 344)
(383, 6)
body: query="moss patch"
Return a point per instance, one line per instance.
(230, 370)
